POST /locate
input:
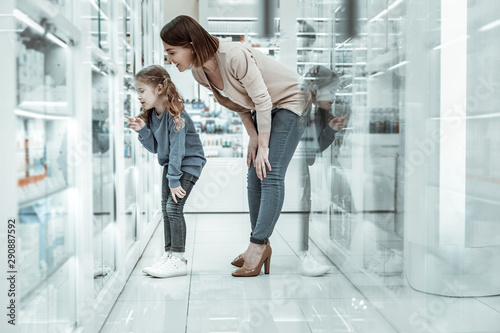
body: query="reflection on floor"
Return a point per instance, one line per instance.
(209, 299)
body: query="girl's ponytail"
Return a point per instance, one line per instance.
(173, 102)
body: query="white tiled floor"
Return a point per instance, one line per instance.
(209, 299)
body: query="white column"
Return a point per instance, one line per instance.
(452, 123)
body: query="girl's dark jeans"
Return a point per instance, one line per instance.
(173, 213)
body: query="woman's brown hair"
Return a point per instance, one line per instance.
(183, 30)
(172, 100)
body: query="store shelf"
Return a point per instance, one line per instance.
(301, 63)
(316, 19)
(315, 49)
(232, 19)
(32, 200)
(314, 34)
(40, 114)
(234, 33)
(43, 10)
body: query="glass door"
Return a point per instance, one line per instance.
(128, 94)
(103, 176)
(45, 176)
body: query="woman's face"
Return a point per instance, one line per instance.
(182, 57)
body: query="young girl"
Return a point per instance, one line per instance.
(165, 129)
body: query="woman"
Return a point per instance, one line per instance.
(243, 79)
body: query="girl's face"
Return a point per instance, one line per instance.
(147, 95)
(182, 57)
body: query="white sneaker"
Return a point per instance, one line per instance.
(311, 267)
(172, 267)
(157, 263)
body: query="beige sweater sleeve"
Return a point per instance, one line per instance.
(243, 67)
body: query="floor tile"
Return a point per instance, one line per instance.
(147, 288)
(344, 315)
(206, 287)
(265, 316)
(222, 236)
(147, 316)
(438, 314)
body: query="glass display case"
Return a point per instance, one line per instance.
(103, 174)
(129, 109)
(100, 23)
(44, 170)
(362, 207)
(69, 84)
(245, 30)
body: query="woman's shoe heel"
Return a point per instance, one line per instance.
(267, 265)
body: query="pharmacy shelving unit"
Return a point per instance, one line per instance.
(75, 172)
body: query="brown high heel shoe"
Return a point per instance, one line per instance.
(239, 260)
(264, 260)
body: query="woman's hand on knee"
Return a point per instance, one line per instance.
(261, 161)
(252, 151)
(177, 192)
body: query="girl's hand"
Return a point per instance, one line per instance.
(136, 123)
(337, 123)
(252, 150)
(177, 192)
(261, 161)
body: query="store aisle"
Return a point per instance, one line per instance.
(209, 299)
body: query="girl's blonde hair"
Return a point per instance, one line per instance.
(153, 76)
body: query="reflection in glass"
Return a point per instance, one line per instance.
(103, 179)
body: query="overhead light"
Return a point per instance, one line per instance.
(24, 18)
(490, 26)
(402, 63)
(57, 40)
(95, 68)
